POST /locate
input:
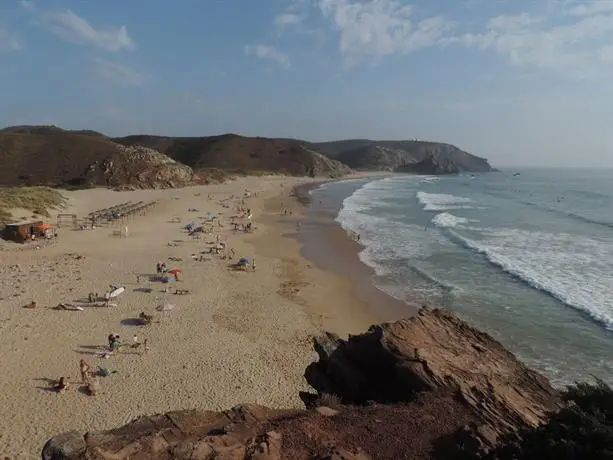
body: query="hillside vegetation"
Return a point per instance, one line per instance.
(37, 200)
(581, 430)
(243, 154)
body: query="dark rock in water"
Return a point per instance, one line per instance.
(424, 388)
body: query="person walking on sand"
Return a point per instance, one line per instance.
(84, 367)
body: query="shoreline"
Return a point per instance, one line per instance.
(328, 297)
(328, 246)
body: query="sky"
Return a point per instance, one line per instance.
(522, 82)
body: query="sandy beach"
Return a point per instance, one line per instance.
(237, 336)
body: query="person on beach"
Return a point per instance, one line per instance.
(158, 268)
(114, 343)
(62, 386)
(84, 367)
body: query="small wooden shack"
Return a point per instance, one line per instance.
(22, 231)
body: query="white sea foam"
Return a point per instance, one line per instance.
(442, 201)
(574, 269)
(383, 237)
(429, 179)
(447, 220)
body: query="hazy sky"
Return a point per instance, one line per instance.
(519, 82)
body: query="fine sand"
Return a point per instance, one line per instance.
(237, 336)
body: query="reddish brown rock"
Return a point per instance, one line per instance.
(434, 351)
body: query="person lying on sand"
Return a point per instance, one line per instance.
(145, 318)
(62, 385)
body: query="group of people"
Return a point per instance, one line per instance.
(88, 375)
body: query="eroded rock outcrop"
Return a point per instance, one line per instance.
(139, 167)
(434, 351)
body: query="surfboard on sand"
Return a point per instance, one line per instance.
(115, 292)
(68, 306)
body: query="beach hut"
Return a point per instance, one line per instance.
(22, 231)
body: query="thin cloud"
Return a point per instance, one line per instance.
(590, 8)
(380, 28)
(27, 5)
(288, 19)
(9, 41)
(72, 28)
(270, 53)
(118, 74)
(578, 49)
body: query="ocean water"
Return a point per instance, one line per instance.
(527, 258)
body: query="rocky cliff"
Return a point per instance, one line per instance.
(434, 351)
(401, 156)
(138, 167)
(431, 165)
(428, 387)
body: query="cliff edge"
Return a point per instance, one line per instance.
(427, 387)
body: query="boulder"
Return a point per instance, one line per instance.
(434, 351)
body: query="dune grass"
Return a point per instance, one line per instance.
(38, 200)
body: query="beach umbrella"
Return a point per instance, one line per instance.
(244, 261)
(175, 271)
